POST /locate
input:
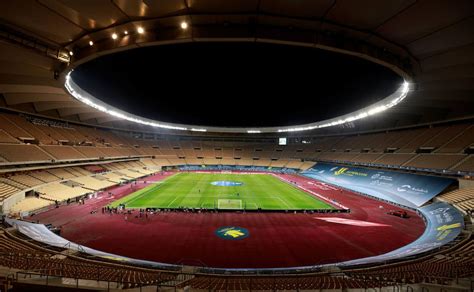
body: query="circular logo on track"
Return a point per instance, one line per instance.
(226, 183)
(232, 233)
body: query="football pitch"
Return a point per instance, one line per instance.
(222, 191)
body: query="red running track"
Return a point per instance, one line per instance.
(275, 239)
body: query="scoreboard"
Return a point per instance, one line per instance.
(282, 141)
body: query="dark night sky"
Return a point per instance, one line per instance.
(235, 84)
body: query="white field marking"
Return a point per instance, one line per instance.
(214, 172)
(161, 182)
(146, 192)
(172, 201)
(283, 202)
(324, 198)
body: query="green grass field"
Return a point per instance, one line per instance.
(195, 190)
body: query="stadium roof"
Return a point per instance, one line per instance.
(429, 41)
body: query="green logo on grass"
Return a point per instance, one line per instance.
(232, 233)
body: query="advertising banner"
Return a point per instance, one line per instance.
(402, 188)
(443, 224)
(41, 233)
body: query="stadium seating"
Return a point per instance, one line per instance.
(61, 192)
(63, 152)
(19, 254)
(44, 176)
(110, 150)
(30, 204)
(459, 143)
(458, 195)
(12, 129)
(113, 177)
(462, 198)
(23, 153)
(13, 183)
(467, 164)
(26, 180)
(6, 138)
(61, 173)
(32, 129)
(447, 143)
(6, 190)
(89, 182)
(440, 268)
(435, 161)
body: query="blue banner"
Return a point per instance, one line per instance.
(443, 224)
(237, 168)
(402, 188)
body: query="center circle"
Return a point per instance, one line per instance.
(226, 183)
(232, 232)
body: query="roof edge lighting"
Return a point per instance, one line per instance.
(91, 101)
(383, 105)
(388, 102)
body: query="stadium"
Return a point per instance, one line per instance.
(236, 145)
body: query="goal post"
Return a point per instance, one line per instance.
(229, 204)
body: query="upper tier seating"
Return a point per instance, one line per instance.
(435, 161)
(393, 148)
(63, 152)
(466, 165)
(61, 173)
(12, 129)
(26, 180)
(460, 142)
(23, 153)
(44, 176)
(6, 138)
(32, 129)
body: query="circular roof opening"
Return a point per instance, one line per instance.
(236, 84)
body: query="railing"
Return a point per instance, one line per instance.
(81, 275)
